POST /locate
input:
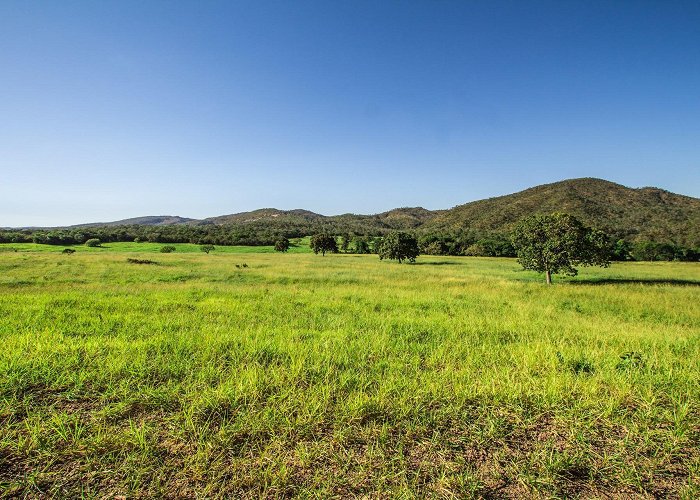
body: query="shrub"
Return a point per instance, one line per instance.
(167, 249)
(140, 261)
(282, 245)
(207, 248)
(93, 243)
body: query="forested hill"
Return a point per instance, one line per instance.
(398, 218)
(148, 220)
(636, 215)
(645, 214)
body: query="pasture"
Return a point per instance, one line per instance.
(342, 376)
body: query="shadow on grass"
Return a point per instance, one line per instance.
(623, 281)
(442, 263)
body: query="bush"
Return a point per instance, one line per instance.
(207, 248)
(282, 245)
(140, 261)
(93, 243)
(167, 249)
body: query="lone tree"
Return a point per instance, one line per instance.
(282, 245)
(399, 246)
(555, 243)
(323, 243)
(207, 248)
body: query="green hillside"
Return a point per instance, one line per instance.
(309, 222)
(636, 215)
(646, 214)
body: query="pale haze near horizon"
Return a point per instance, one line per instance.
(114, 110)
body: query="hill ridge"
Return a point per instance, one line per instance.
(635, 214)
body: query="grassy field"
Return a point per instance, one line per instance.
(302, 375)
(302, 247)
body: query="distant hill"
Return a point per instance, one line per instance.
(643, 214)
(148, 220)
(636, 214)
(406, 218)
(265, 214)
(640, 214)
(398, 218)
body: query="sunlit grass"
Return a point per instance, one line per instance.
(343, 375)
(125, 246)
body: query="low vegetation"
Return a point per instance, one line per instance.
(344, 376)
(207, 248)
(140, 261)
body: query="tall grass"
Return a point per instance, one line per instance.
(345, 376)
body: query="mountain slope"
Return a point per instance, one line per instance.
(644, 214)
(147, 220)
(635, 214)
(265, 214)
(398, 218)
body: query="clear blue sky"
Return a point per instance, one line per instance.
(115, 109)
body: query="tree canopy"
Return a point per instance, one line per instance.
(555, 243)
(282, 245)
(399, 246)
(323, 243)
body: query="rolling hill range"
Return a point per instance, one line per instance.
(148, 220)
(398, 218)
(635, 214)
(648, 214)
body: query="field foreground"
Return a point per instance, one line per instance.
(249, 375)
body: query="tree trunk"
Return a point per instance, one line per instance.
(549, 276)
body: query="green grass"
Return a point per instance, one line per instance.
(303, 247)
(302, 375)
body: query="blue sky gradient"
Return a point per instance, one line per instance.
(120, 109)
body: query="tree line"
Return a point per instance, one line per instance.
(471, 243)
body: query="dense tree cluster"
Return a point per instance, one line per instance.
(350, 238)
(254, 235)
(466, 243)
